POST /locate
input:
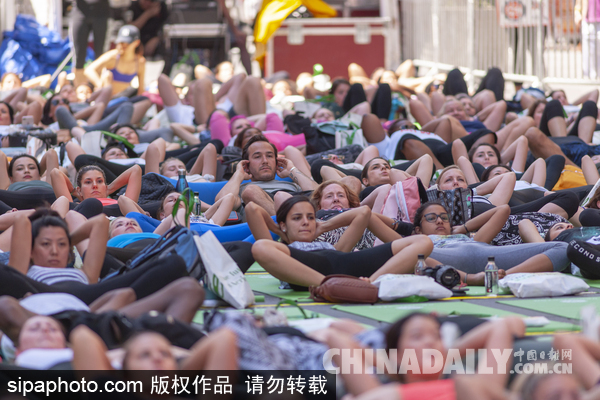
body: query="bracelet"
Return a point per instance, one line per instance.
(466, 275)
(293, 168)
(465, 226)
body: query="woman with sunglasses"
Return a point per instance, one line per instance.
(455, 246)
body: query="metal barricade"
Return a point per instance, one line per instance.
(529, 40)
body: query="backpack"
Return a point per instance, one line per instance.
(458, 202)
(403, 199)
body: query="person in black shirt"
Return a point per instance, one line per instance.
(149, 16)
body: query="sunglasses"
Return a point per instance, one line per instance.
(56, 102)
(332, 157)
(432, 217)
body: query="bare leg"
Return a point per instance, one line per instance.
(204, 101)
(206, 163)
(377, 198)
(420, 112)
(437, 101)
(219, 212)
(167, 91)
(372, 129)
(280, 197)
(258, 196)
(179, 299)
(414, 149)
(586, 129)
(426, 100)
(542, 146)
(276, 259)
(557, 126)
(590, 171)
(511, 132)
(484, 99)
(536, 173)
(251, 99)
(12, 317)
(139, 110)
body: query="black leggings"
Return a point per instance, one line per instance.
(555, 109)
(567, 200)
(590, 217)
(455, 83)
(493, 80)
(144, 280)
(25, 199)
(381, 104)
(331, 262)
(84, 18)
(131, 100)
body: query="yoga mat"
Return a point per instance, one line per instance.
(393, 312)
(256, 268)
(567, 307)
(292, 313)
(594, 284)
(267, 284)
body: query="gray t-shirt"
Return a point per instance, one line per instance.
(15, 187)
(273, 186)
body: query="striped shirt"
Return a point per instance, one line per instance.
(50, 276)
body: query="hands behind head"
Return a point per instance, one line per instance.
(243, 169)
(284, 167)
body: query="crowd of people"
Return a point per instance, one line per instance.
(316, 170)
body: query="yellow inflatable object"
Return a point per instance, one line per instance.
(272, 14)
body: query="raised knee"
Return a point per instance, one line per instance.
(252, 193)
(261, 248)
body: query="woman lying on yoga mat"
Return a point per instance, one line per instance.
(415, 334)
(469, 255)
(40, 252)
(303, 263)
(153, 351)
(91, 183)
(500, 188)
(22, 183)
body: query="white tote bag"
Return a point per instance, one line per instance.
(223, 276)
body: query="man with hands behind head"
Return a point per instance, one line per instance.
(260, 165)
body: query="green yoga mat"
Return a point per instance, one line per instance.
(392, 312)
(594, 284)
(292, 313)
(256, 268)
(568, 307)
(267, 284)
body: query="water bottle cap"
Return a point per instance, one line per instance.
(491, 258)
(421, 256)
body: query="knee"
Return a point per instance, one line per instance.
(164, 79)
(589, 109)
(533, 135)
(281, 196)
(553, 109)
(8, 306)
(204, 85)
(253, 193)
(261, 249)
(189, 287)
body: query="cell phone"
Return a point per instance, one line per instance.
(233, 216)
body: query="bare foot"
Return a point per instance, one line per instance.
(362, 278)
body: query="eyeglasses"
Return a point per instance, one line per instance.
(432, 217)
(56, 102)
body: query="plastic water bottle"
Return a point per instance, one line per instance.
(197, 205)
(181, 181)
(420, 267)
(491, 278)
